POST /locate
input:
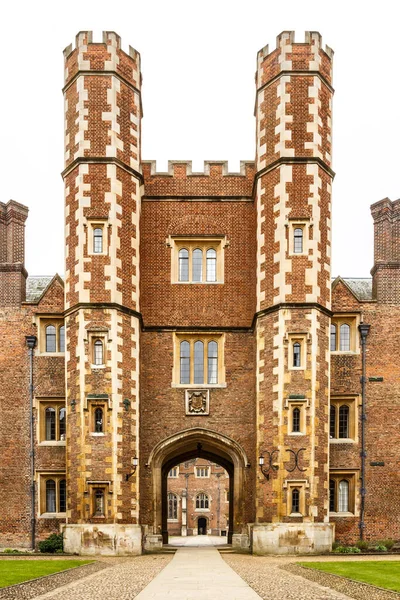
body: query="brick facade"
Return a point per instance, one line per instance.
(273, 389)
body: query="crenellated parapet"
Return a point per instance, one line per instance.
(215, 180)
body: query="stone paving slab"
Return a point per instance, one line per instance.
(198, 574)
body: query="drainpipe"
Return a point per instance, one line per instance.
(31, 343)
(364, 330)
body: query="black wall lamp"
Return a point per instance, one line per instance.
(269, 465)
(135, 462)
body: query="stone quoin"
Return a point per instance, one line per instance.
(198, 325)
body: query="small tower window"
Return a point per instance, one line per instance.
(62, 423)
(50, 496)
(297, 354)
(63, 495)
(98, 240)
(298, 240)
(185, 362)
(345, 338)
(172, 506)
(51, 339)
(212, 362)
(99, 503)
(50, 420)
(98, 420)
(61, 339)
(332, 422)
(197, 265)
(295, 500)
(296, 420)
(183, 264)
(198, 362)
(343, 496)
(98, 353)
(333, 338)
(211, 265)
(344, 421)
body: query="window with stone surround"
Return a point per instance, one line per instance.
(343, 421)
(298, 234)
(97, 233)
(202, 501)
(197, 259)
(342, 492)
(173, 473)
(343, 333)
(295, 499)
(202, 472)
(297, 351)
(199, 360)
(52, 494)
(172, 507)
(51, 421)
(51, 336)
(297, 415)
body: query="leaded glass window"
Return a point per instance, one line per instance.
(211, 265)
(298, 240)
(98, 240)
(183, 265)
(198, 362)
(295, 500)
(51, 339)
(343, 496)
(185, 362)
(345, 337)
(202, 501)
(344, 421)
(51, 496)
(212, 362)
(62, 423)
(98, 420)
(197, 265)
(296, 354)
(50, 423)
(63, 495)
(296, 420)
(98, 352)
(172, 506)
(333, 338)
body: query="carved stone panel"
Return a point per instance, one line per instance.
(197, 402)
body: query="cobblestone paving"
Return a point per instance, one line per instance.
(276, 578)
(122, 580)
(271, 582)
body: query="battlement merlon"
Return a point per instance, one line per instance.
(105, 56)
(299, 57)
(184, 168)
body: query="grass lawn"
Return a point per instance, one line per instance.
(385, 574)
(18, 570)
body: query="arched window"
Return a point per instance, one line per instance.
(296, 354)
(212, 362)
(98, 240)
(298, 240)
(185, 362)
(172, 506)
(198, 362)
(61, 339)
(295, 501)
(344, 413)
(197, 265)
(333, 338)
(202, 501)
(63, 495)
(296, 420)
(332, 422)
(211, 264)
(332, 495)
(183, 264)
(345, 337)
(98, 420)
(62, 423)
(99, 503)
(51, 496)
(343, 496)
(50, 421)
(98, 353)
(51, 339)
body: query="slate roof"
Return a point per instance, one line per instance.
(360, 286)
(35, 286)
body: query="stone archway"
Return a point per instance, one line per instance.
(194, 443)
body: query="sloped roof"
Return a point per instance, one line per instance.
(36, 285)
(361, 287)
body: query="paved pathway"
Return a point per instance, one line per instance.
(197, 540)
(198, 574)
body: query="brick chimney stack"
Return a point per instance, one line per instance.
(386, 269)
(12, 253)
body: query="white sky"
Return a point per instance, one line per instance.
(198, 65)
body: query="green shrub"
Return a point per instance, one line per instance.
(11, 551)
(362, 545)
(347, 550)
(54, 543)
(380, 548)
(388, 543)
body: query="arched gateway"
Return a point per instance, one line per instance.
(194, 443)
